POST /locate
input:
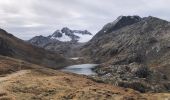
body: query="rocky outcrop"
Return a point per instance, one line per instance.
(131, 39)
(135, 76)
(4, 48)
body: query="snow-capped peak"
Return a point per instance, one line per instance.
(63, 37)
(66, 35)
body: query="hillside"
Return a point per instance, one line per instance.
(133, 50)
(142, 41)
(33, 82)
(16, 48)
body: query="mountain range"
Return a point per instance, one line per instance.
(63, 41)
(130, 50)
(132, 53)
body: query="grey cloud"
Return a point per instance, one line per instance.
(27, 18)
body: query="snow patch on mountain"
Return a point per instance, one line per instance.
(83, 37)
(68, 35)
(64, 38)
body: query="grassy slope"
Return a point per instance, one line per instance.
(26, 81)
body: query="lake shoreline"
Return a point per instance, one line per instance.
(83, 69)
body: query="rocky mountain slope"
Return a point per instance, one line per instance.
(135, 53)
(16, 48)
(21, 80)
(64, 41)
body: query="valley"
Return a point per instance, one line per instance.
(34, 82)
(128, 59)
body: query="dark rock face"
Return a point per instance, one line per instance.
(131, 39)
(5, 50)
(57, 34)
(120, 22)
(142, 72)
(40, 41)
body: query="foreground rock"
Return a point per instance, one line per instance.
(134, 51)
(137, 77)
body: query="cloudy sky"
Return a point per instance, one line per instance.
(27, 18)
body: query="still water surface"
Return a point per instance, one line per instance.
(85, 69)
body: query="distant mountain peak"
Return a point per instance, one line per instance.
(66, 35)
(63, 35)
(57, 33)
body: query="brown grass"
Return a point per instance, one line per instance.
(33, 82)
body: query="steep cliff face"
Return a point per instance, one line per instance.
(131, 40)
(16, 48)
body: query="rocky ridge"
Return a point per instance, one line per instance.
(133, 43)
